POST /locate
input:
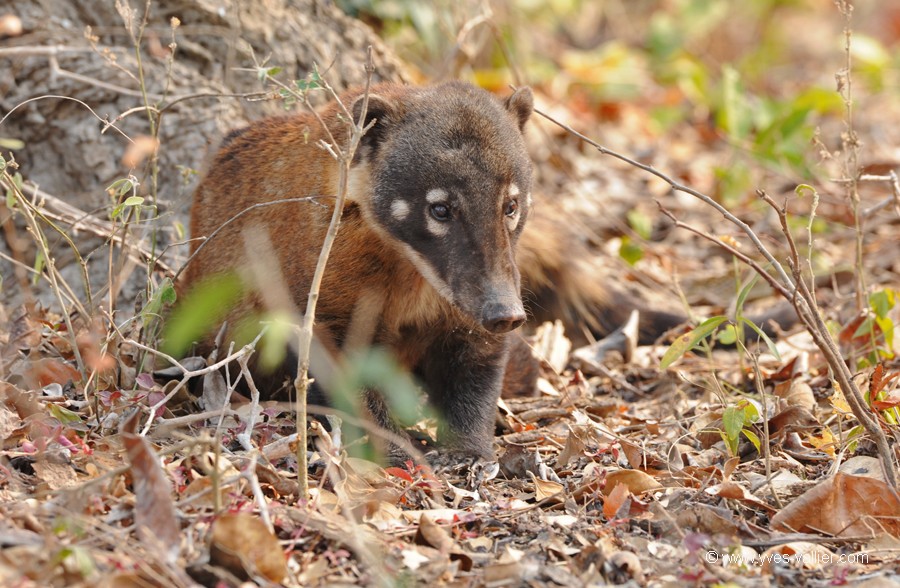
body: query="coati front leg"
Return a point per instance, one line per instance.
(463, 376)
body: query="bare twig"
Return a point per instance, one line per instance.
(102, 119)
(894, 198)
(344, 156)
(187, 374)
(30, 214)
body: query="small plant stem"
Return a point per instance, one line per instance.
(344, 156)
(850, 150)
(28, 211)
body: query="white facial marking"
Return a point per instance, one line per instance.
(428, 272)
(513, 190)
(436, 227)
(399, 209)
(436, 195)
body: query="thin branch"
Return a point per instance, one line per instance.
(102, 119)
(305, 336)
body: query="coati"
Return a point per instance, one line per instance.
(428, 258)
(424, 263)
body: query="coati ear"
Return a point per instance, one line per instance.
(520, 104)
(379, 109)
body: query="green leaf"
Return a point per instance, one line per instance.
(163, 296)
(751, 413)
(762, 335)
(733, 421)
(753, 439)
(39, 262)
(728, 335)
(630, 251)
(853, 437)
(133, 201)
(264, 73)
(881, 302)
(742, 296)
(200, 311)
(640, 222)
(312, 82)
(120, 187)
(64, 415)
(688, 341)
(733, 116)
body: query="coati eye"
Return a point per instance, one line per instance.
(440, 211)
(511, 208)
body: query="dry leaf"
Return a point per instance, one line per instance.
(791, 419)
(563, 521)
(573, 448)
(552, 346)
(154, 510)
(9, 422)
(614, 501)
(864, 466)
(413, 558)
(843, 505)
(636, 481)
(796, 392)
(430, 533)
(633, 454)
(435, 514)
(736, 492)
(622, 567)
(54, 471)
(711, 520)
(203, 487)
(42, 372)
(544, 489)
(242, 544)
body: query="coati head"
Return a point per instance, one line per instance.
(451, 188)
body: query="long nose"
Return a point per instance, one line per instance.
(501, 317)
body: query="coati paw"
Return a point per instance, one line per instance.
(458, 462)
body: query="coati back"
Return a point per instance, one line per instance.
(424, 263)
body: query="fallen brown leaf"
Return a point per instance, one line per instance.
(636, 481)
(843, 505)
(242, 544)
(614, 501)
(544, 489)
(154, 510)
